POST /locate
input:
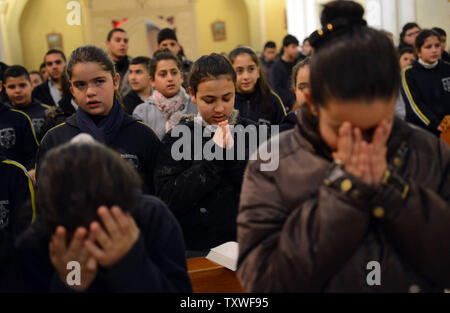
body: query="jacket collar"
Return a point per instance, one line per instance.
(127, 120)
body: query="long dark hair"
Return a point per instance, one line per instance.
(69, 194)
(262, 100)
(209, 67)
(352, 61)
(89, 53)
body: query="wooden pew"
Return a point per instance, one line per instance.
(209, 277)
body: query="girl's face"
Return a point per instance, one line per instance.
(411, 35)
(365, 116)
(302, 85)
(406, 59)
(168, 78)
(430, 51)
(215, 99)
(247, 73)
(93, 88)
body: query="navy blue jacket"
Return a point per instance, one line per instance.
(280, 81)
(156, 262)
(135, 142)
(247, 106)
(18, 140)
(426, 93)
(16, 190)
(36, 112)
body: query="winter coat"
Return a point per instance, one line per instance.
(155, 263)
(203, 194)
(298, 233)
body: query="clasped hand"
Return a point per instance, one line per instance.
(103, 245)
(364, 160)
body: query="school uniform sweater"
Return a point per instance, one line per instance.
(36, 112)
(156, 263)
(18, 140)
(16, 189)
(135, 142)
(247, 106)
(426, 93)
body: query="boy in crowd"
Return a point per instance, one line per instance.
(140, 81)
(18, 87)
(443, 39)
(17, 138)
(117, 46)
(50, 91)
(307, 50)
(36, 79)
(268, 57)
(168, 39)
(280, 72)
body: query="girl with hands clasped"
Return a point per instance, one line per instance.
(360, 201)
(97, 234)
(201, 191)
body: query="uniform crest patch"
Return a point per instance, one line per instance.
(7, 138)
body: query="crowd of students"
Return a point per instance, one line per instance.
(104, 161)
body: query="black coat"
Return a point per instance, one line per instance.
(42, 94)
(247, 106)
(135, 142)
(426, 93)
(203, 195)
(156, 262)
(18, 140)
(280, 81)
(131, 101)
(10, 272)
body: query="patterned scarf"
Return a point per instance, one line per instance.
(171, 108)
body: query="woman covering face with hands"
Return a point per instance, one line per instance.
(355, 187)
(120, 240)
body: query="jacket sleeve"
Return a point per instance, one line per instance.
(28, 141)
(420, 226)
(294, 250)
(22, 191)
(181, 184)
(156, 262)
(416, 102)
(149, 162)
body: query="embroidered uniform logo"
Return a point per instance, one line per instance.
(37, 123)
(7, 138)
(4, 214)
(132, 159)
(446, 83)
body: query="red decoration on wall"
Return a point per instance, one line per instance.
(118, 24)
(170, 20)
